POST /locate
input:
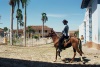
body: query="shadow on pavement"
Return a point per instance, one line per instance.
(67, 60)
(7, 62)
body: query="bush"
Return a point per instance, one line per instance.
(36, 37)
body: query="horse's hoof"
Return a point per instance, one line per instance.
(54, 61)
(71, 62)
(84, 62)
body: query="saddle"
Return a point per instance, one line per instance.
(65, 41)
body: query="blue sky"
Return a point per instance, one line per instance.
(56, 10)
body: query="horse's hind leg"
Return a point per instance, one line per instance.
(79, 53)
(73, 56)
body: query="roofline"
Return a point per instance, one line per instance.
(84, 3)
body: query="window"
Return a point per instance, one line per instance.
(45, 31)
(39, 31)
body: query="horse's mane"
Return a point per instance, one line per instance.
(55, 33)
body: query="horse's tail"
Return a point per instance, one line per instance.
(80, 46)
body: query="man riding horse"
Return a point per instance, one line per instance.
(60, 43)
(64, 35)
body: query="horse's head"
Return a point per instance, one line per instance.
(52, 33)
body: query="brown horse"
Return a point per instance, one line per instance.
(73, 41)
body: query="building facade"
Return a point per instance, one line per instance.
(82, 31)
(91, 23)
(37, 31)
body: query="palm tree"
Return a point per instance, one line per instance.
(19, 17)
(29, 30)
(12, 3)
(44, 19)
(24, 5)
(21, 24)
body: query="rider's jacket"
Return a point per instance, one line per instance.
(65, 30)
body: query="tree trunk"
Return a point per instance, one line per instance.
(43, 30)
(25, 26)
(11, 27)
(17, 24)
(17, 28)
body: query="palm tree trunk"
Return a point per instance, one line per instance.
(17, 24)
(43, 30)
(17, 28)
(25, 26)
(11, 27)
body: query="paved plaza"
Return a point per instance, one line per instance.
(44, 55)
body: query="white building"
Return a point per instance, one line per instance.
(82, 31)
(90, 28)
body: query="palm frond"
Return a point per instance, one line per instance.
(18, 3)
(24, 2)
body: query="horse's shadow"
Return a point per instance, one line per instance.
(67, 60)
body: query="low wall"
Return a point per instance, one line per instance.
(92, 45)
(33, 42)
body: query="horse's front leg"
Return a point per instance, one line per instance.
(56, 56)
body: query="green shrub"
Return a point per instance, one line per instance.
(35, 36)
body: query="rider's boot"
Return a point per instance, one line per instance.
(66, 43)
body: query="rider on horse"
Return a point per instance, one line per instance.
(64, 35)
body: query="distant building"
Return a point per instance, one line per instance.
(37, 31)
(70, 33)
(73, 32)
(90, 28)
(59, 34)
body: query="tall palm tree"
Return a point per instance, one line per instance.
(29, 30)
(12, 3)
(24, 5)
(21, 24)
(44, 19)
(19, 17)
